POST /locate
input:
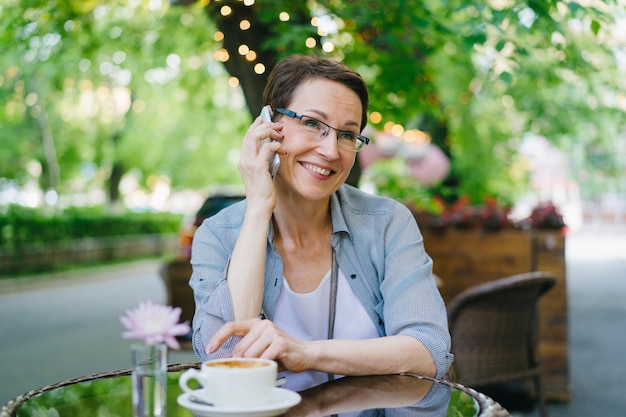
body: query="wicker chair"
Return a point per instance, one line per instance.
(494, 332)
(175, 275)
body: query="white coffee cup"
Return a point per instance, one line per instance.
(233, 382)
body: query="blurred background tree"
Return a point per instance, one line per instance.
(114, 88)
(98, 91)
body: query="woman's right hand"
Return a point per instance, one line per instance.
(254, 165)
(262, 339)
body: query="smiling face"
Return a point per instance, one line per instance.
(314, 167)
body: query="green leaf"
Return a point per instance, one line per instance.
(595, 26)
(506, 77)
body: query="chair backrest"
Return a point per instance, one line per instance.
(175, 275)
(494, 329)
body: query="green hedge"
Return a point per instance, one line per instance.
(20, 226)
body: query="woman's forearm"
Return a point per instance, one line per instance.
(381, 356)
(246, 270)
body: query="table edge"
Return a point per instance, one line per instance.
(487, 407)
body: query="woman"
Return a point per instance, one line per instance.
(307, 270)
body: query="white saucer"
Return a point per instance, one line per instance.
(282, 400)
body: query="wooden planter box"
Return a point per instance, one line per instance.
(466, 258)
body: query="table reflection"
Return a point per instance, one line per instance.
(389, 395)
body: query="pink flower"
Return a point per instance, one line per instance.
(154, 324)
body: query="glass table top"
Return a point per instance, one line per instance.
(389, 395)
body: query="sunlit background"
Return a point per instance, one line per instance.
(133, 103)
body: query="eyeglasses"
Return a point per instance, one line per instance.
(348, 141)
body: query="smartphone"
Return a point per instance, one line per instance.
(274, 159)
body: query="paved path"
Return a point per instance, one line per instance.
(65, 325)
(596, 281)
(68, 325)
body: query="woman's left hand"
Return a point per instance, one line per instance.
(262, 339)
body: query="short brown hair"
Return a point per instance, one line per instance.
(294, 70)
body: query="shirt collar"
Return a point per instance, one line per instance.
(337, 217)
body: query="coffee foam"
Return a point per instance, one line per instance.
(237, 364)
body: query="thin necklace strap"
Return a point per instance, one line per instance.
(332, 305)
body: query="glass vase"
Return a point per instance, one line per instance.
(149, 374)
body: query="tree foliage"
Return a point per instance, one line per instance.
(125, 86)
(143, 87)
(478, 77)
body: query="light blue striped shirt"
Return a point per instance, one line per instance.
(379, 248)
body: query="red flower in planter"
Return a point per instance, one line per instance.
(493, 217)
(489, 217)
(546, 216)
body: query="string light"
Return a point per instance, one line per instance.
(222, 55)
(397, 130)
(259, 68)
(416, 136)
(243, 49)
(328, 46)
(408, 136)
(376, 117)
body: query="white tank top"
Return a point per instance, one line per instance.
(305, 317)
